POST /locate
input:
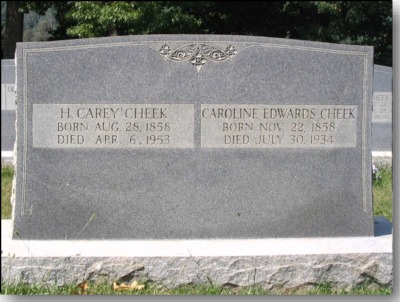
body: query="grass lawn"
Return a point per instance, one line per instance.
(382, 192)
(7, 174)
(149, 288)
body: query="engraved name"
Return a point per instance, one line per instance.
(268, 126)
(121, 126)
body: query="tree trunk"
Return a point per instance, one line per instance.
(13, 30)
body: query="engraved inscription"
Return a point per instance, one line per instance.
(277, 126)
(114, 125)
(382, 110)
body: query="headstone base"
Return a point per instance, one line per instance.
(272, 263)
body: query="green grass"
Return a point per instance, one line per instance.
(157, 289)
(382, 191)
(7, 174)
(363, 289)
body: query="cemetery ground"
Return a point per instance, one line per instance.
(382, 191)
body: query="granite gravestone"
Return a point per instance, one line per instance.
(8, 114)
(193, 137)
(382, 109)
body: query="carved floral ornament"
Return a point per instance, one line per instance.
(197, 54)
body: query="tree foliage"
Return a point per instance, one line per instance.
(350, 22)
(38, 27)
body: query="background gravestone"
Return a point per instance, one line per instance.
(7, 107)
(177, 137)
(382, 109)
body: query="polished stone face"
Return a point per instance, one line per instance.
(8, 106)
(7, 130)
(193, 137)
(382, 109)
(7, 71)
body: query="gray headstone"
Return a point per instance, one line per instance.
(7, 71)
(8, 107)
(8, 97)
(7, 85)
(7, 131)
(382, 109)
(184, 137)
